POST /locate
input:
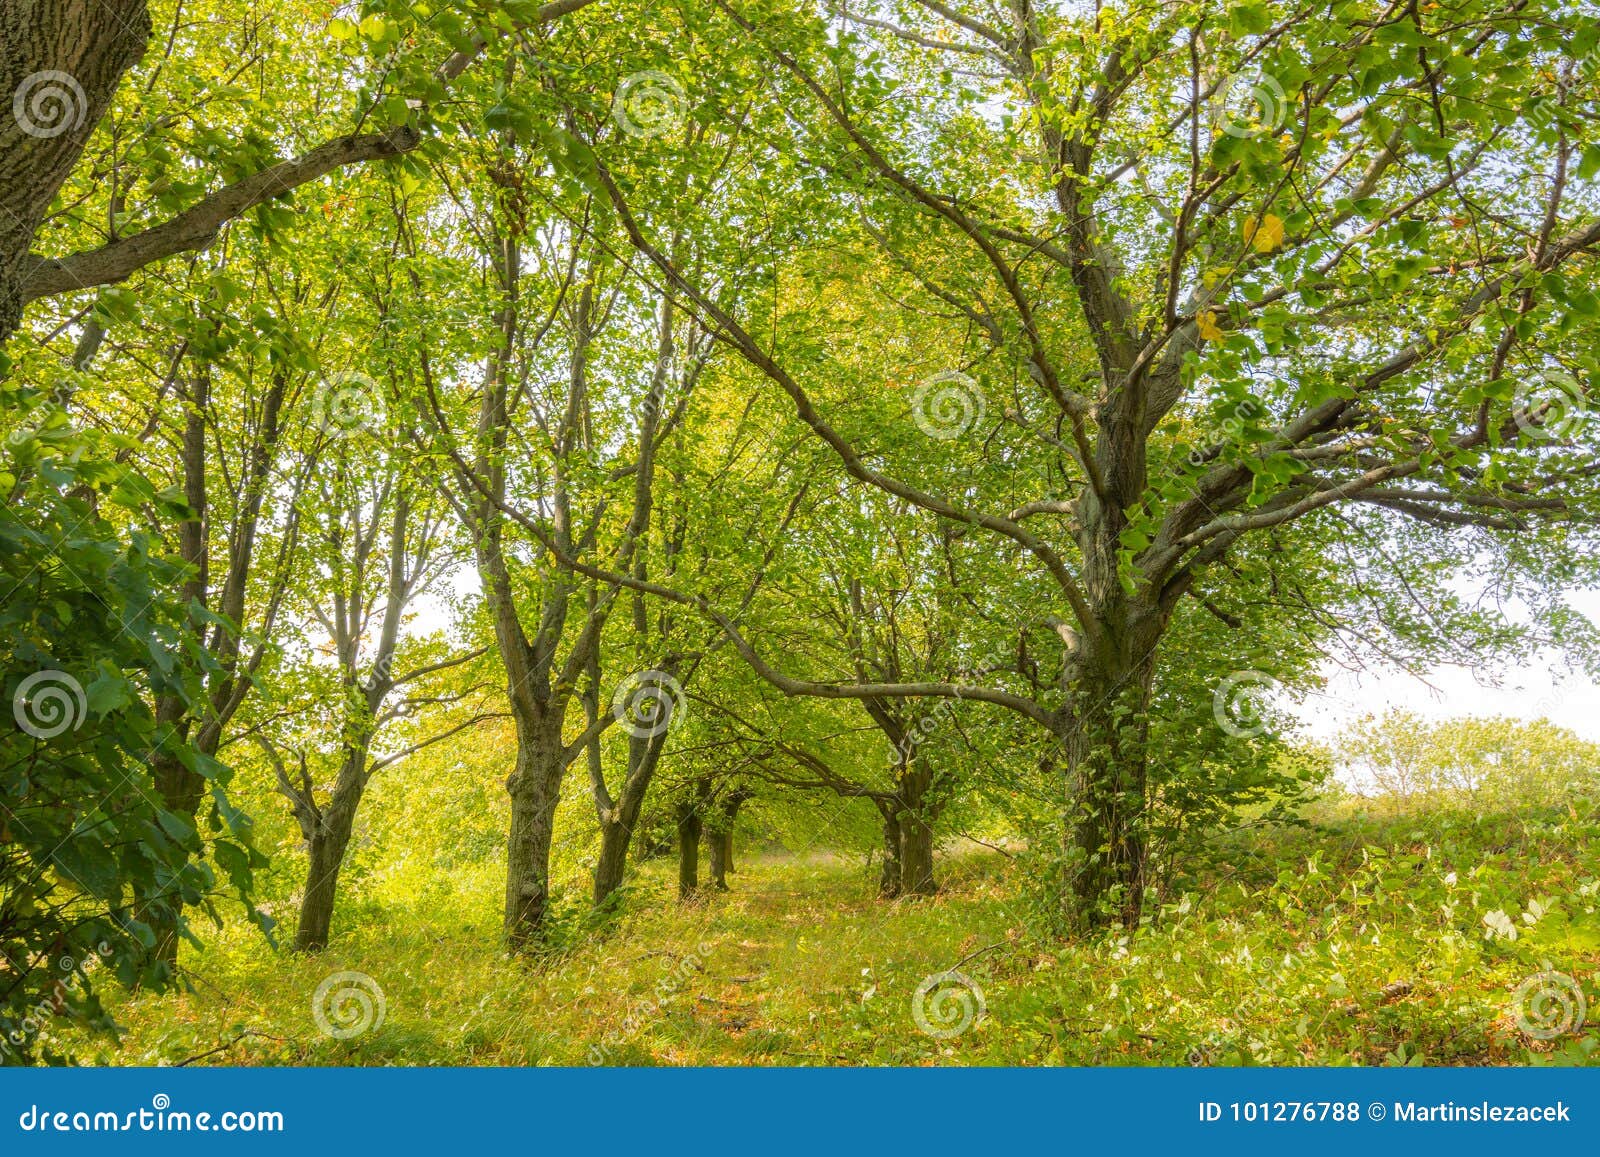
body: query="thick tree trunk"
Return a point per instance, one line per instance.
(718, 844)
(535, 790)
(689, 828)
(181, 791)
(889, 879)
(611, 868)
(916, 858)
(916, 831)
(60, 64)
(719, 839)
(1104, 743)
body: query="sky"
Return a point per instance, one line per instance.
(1538, 688)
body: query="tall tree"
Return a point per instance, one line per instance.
(1365, 221)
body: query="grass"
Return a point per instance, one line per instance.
(1366, 941)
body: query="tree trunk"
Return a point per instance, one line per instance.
(60, 67)
(322, 886)
(689, 828)
(718, 844)
(719, 838)
(1104, 741)
(889, 879)
(619, 818)
(181, 789)
(611, 868)
(916, 830)
(329, 839)
(535, 790)
(916, 857)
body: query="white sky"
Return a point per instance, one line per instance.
(1538, 688)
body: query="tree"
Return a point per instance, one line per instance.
(63, 64)
(1327, 307)
(378, 544)
(1486, 763)
(92, 862)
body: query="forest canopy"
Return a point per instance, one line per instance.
(900, 420)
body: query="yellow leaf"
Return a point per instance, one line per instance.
(1266, 235)
(1207, 324)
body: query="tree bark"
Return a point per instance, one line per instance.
(619, 817)
(1104, 741)
(63, 60)
(535, 790)
(889, 879)
(720, 840)
(689, 828)
(181, 789)
(717, 845)
(329, 839)
(916, 830)
(916, 858)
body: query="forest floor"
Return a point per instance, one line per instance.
(1400, 941)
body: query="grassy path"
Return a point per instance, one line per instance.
(1375, 945)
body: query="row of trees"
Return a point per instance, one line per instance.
(923, 399)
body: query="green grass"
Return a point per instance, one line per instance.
(1365, 942)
